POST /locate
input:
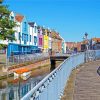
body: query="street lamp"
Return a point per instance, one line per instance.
(85, 39)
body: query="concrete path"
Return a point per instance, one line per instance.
(87, 82)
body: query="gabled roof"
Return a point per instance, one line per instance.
(19, 17)
(31, 24)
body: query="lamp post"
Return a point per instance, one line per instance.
(85, 39)
(86, 34)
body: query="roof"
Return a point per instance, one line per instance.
(19, 17)
(31, 24)
(96, 39)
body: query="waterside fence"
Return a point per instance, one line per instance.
(52, 86)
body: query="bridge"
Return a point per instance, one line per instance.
(57, 57)
(53, 85)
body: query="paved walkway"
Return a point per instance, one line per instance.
(86, 83)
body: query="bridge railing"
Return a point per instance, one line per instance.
(52, 86)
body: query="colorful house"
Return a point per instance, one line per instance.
(40, 38)
(50, 40)
(63, 46)
(45, 41)
(33, 36)
(24, 40)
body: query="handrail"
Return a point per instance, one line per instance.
(57, 78)
(41, 82)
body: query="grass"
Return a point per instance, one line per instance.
(69, 89)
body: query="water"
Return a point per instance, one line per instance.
(11, 89)
(16, 89)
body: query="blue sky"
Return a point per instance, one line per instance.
(71, 18)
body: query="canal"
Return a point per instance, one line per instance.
(11, 89)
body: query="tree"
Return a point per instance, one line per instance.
(6, 24)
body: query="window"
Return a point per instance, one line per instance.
(40, 41)
(35, 29)
(12, 18)
(35, 40)
(27, 37)
(24, 26)
(38, 30)
(32, 30)
(30, 38)
(22, 36)
(19, 36)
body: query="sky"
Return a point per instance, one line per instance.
(71, 18)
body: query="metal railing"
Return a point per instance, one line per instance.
(52, 86)
(92, 55)
(16, 59)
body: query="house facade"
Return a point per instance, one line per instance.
(45, 40)
(21, 35)
(40, 38)
(26, 37)
(31, 38)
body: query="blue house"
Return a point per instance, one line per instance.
(22, 43)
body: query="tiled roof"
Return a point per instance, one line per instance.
(31, 24)
(96, 39)
(19, 17)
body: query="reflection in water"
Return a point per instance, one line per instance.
(11, 91)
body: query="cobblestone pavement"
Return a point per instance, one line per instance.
(87, 82)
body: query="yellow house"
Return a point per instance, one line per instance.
(45, 42)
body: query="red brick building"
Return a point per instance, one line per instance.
(71, 45)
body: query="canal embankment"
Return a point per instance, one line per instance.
(37, 68)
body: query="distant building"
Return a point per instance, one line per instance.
(79, 46)
(96, 43)
(71, 45)
(56, 42)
